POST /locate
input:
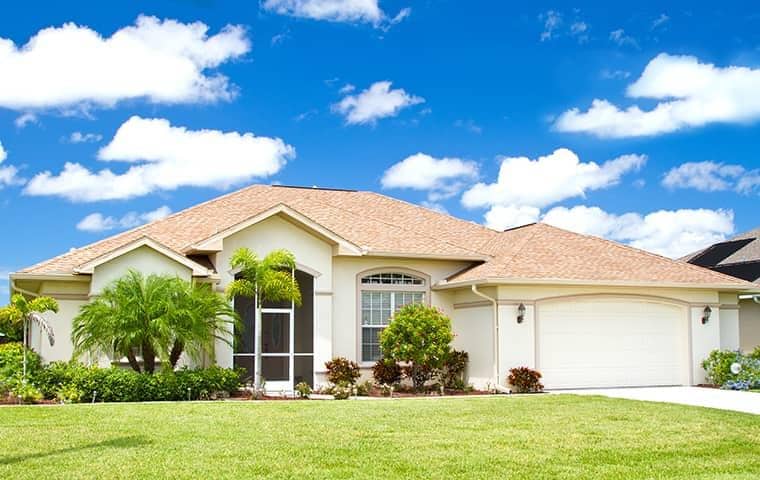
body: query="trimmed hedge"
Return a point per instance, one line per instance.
(74, 382)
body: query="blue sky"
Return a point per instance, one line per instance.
(424, 101)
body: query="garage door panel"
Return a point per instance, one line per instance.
(605, 343)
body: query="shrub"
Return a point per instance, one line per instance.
(364, 389)
(420, 336)
(303, 390)
(525, 380)
(386, 372)
(69, 394)
(341, 391)
(718, 368)
(717, 365)
(26, 392)
(76, 382)
(452, 372)
(342, 370)
(12, 363)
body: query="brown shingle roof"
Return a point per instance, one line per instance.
(382, 224)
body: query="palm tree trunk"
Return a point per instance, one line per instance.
(149, 357)
(176, 352)
(257, 378)
(132, 359)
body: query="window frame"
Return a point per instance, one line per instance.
(374, 287)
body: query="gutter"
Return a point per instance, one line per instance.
(497, 386)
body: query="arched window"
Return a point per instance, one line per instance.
(382, 294)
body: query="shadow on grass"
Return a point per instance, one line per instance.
(120, 442)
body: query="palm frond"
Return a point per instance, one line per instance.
(44, 325)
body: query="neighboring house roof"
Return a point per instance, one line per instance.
(374, 224)
(738, 256)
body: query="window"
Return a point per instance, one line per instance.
(382, 294)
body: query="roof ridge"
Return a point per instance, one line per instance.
(650, 254)
(415, 231)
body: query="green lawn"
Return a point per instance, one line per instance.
(499, 437)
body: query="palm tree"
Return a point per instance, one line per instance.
(155, 316)
(270, 279)
(22, 311)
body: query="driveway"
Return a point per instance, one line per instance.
(747, 402)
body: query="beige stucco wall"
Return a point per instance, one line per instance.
(517, 341)
(749, 325)
(70, 297)
(346, 329)
(143, 259)
(313, 255)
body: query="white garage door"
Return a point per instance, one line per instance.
(611, 343)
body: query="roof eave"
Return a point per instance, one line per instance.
(443, 285)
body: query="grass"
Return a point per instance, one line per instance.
(551, 436)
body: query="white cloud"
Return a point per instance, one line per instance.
(4, 285)
(25, 119)
(443, 177)
(711, 95)
(660, 21)
(96, 222)
(469, 125)
(548, 179)
(349, 11)
(749, 182)
(501, 217)
(703, 176)
(672, 233)
(552, 21)
(347, 88)
(615, 74)
(166, 157)
(374, 103)
(79, 137)
(8, 174)
(621, 39)
(163, 61)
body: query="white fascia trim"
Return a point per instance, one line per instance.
(426, 256)
(443, 284)
(197, 269)
(211, 243)
(49, 276)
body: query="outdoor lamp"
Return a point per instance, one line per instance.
(520, 313)
(706, 314)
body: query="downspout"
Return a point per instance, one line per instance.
(756, 299)
(497, 385)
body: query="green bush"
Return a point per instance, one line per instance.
(341, 390)
(453, 370)
(717, 366)
(342, 370)
(420, 336)
(12, 363)
(303, 390)
(525, 380)
(26, 392)
(386, 372)
(75, 382)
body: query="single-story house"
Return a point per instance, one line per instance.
(740, 258)
(585, 311)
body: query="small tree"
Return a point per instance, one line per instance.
(270, 279)
(157, 316)
(419, 335)
(22, 311)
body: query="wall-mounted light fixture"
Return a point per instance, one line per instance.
(706, 314)
(520, 313)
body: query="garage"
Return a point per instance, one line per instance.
(611, 342)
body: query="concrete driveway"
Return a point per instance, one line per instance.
(747, 402)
